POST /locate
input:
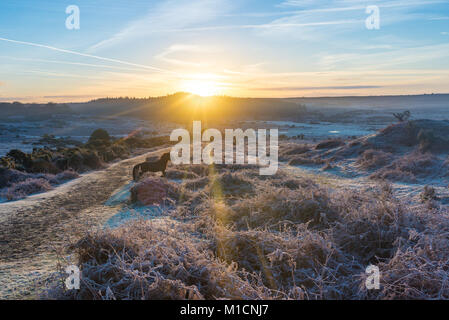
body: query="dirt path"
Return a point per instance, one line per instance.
(34, 229)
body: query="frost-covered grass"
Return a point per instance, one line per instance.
(21, 189)
(410, 167)
(25, 184)
(243, 236)
(374, 159)
(412, 152)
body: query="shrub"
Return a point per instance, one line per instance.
(42, 166)
(20, 158)
(22, 189)
(153, 191)
(10, 176)
(374, 159)
(99, 136)
(428, 194)
(91, 160)
(409, 168)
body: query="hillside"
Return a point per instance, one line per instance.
(181, 107)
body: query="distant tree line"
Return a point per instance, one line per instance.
(182, 107)
(179, 107)
(32, 109)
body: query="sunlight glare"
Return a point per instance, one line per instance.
(201, 87)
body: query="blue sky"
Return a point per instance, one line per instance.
(240, 48)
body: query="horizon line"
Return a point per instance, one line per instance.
(15, 99)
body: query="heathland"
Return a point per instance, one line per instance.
(355, 187)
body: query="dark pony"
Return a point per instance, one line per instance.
(146, 166)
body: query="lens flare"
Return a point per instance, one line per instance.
(201, 87)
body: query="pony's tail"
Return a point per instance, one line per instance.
(135, 171)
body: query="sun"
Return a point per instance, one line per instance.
(201, 87)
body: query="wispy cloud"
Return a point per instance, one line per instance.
(265, 26)
(439, 18)
(385, 59)
(325, 18)
(313, 18)
(193, 16)
(77, 96)
(168, 15)
(333, 5)
(167, 55)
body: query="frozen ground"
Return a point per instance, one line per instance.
(323, 130)
(405, 191)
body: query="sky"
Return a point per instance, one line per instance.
(246, 48)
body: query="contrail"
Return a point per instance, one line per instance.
(72, 63)
(87, 55)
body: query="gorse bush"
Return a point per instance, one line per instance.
(99, 136)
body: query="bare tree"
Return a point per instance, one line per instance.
(402, 116)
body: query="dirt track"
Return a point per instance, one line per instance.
(34, 229)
